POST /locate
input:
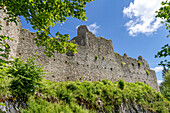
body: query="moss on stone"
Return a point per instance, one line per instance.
(96, 57)
(123, 64)
(139, 63)
(147, 72)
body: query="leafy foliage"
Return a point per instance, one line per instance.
(164, 13)
(96, 57)
(3, 51)
(4, 83)
(165, 91)
(97, 96)
(139, 63)
(164, 87)
(165, 52)
(3, 56)
(167, 78)
(92, 97)
(43, 106)
(26, 77)
(44, 14)
(121, 84)
(147, 72)
(123, 64)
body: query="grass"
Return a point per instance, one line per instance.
(88, 97)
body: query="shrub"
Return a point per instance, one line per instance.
(4, 83)
(4, 51)
(96, 57)
(106, 82)
(72, 86)
(43, 106)
(26, 77)
(147, 72)
(123, 64)
(121, 84)
(139, 63)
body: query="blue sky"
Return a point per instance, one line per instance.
(130, 24)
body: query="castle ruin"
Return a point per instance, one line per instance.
(96, 59)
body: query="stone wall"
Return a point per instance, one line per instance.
(95, 60)
(12, 30)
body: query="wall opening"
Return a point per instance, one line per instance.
(133, 65)
(70, 54)
(138, 66)
(7, 50)
(7, 23)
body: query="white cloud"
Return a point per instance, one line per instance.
(160, 81)
(92, 27)
(142, 16)
(157, 69)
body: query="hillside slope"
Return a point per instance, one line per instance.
(103, 97)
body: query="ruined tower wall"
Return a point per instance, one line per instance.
(12, 30)
(136, 70)
(95, 60)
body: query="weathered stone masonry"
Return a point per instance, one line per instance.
(96, 59)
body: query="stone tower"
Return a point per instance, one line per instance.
(11, 30)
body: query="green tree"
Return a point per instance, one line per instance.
(165, 85)
(44, 14)
(164, 13)
(167, 78)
